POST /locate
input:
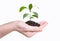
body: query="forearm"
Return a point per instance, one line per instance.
(6, 28)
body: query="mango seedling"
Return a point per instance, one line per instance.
(31, 16)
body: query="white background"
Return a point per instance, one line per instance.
(49, 11)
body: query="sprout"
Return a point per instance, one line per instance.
(30, 6)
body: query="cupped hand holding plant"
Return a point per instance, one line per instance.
(32, 27)
(28, 30)
(21, 26)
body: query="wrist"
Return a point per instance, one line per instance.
(15, 25)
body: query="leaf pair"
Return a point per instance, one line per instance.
(34, 15)
(23, 7)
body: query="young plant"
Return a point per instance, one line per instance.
(34, 14)
(30, 6)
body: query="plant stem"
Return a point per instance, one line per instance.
(30, 15)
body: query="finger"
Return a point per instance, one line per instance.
(43, 24)
(29, 34)
(33, 29)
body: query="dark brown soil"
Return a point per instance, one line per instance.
(32, 23)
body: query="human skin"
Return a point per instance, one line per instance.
(21, 27)
(35, 30)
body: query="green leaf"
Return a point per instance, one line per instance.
(35, 14)
(22, 8)
(30, 7)
(25, 15)
(31, 17)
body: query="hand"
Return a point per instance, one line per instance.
(21, 27)
(30, 30)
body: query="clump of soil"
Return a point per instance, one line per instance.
(32, 23)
